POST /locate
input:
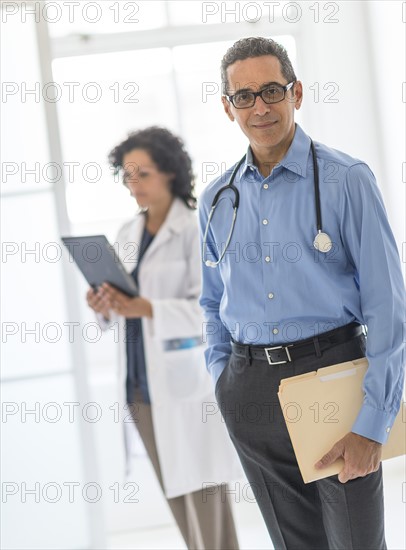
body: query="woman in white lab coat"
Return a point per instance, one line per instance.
(162, 353)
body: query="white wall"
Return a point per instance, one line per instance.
(387, 52)
(364, 56)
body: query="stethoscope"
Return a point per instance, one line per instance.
(322, 241)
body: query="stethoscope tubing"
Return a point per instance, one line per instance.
(230, 186)
(316, 187)
(236, 204)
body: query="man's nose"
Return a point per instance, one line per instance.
(260, 107)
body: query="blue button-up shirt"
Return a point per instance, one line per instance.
(274, 287)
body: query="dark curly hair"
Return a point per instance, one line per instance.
(256, 47)
(168, 153)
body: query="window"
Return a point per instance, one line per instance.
(114, 93)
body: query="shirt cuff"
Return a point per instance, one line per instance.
(215, 369)
(373, 424)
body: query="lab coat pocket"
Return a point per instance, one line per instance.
(185, 374)
(169, 274)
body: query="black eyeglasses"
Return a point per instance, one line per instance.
(274, 93)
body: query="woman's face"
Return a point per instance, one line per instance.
(146, 183)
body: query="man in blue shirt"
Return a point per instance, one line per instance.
(273, 287)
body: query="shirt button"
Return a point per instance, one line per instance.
(266, 186)
(275, 331)
(267, 259)
(265, 222)
(387, 430)
(270, 295)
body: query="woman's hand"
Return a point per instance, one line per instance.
(123, 304)
(95, 301)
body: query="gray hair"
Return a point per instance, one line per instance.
(256, 47)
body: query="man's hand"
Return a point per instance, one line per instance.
(122, 304)
(361, 456)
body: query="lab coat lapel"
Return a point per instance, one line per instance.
(132, 238)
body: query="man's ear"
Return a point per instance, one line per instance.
(298, 96)
(226, 105)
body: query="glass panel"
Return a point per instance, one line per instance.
(212, 141)
(67, 18)
(111, 94)
(36, 336)
(24, 150)
(45, 506)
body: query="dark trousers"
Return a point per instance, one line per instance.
(325, 514)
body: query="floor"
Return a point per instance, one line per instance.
(252, 534)
(251, 529)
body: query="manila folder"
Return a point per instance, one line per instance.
(320, 408)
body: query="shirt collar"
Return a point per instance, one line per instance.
(296, 157)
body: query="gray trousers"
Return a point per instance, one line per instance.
(325, 514)
(205, 520)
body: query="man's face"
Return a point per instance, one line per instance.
(269, 127)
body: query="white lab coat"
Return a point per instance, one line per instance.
(192, 441)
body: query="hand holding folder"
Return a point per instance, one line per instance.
(320, 409)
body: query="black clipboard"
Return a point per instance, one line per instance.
(99, 263)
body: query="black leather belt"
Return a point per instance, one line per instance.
(287, 353)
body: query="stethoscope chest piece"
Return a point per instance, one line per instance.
(322, 242)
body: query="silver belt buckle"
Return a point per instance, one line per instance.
(267, 350)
